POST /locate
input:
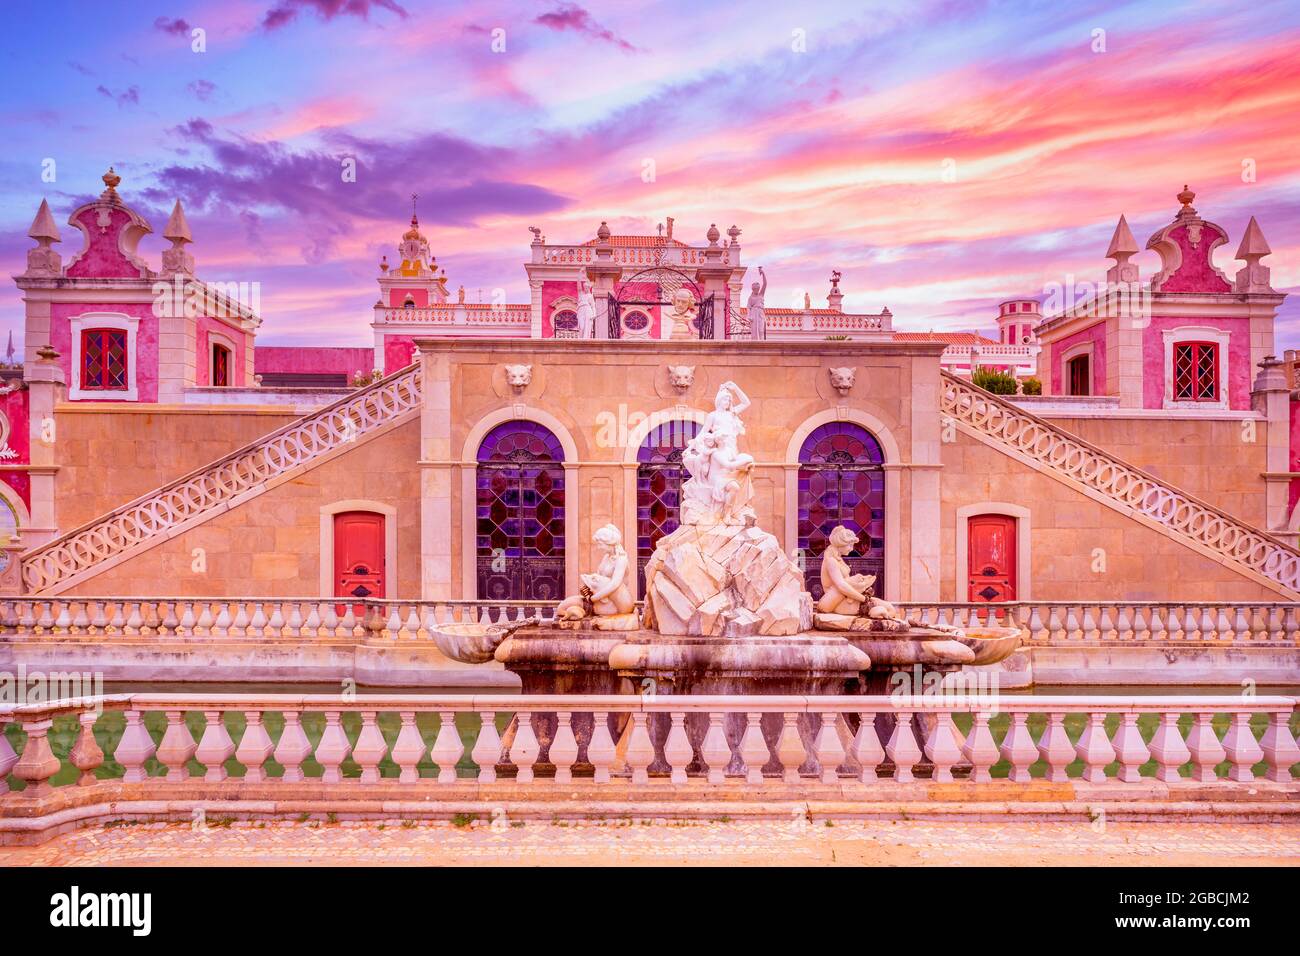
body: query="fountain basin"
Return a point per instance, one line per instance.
(469, 643)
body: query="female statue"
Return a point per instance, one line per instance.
(606, 592)
(586, 309)
(844, 592)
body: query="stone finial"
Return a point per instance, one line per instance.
(734, 233)
(43, 260)
(835, 299)
(602, 233)
(176, 260)
(1254, 276)
(1185, 197)
(111, 181)
(713, 235)
(537, 235)
(1122, 248)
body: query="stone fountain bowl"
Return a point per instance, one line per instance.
(469, 643)
(990, 644)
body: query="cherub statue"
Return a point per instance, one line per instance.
(606, 593)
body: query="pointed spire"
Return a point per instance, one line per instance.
(1122, 248)
(44, 227)
(1253, 244)
(177, 229)
(1254, 276)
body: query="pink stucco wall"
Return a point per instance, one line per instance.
(103, 259)
(1096, 334)
(397, 352)
(1195, 273)
(1153, 358)
(202, 358)
(397, 297)
(14, 407)
(550, 292)
(1293, 489)
(313, 359)
(146, 344)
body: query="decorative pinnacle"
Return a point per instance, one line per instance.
(1185, 197)
(603, 232)
(111, 180)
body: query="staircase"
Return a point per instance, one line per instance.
(1121, 486)
(202, 494)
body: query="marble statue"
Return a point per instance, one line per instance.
(606, 596)
(721, 485)
(681, 377)
(682, 317)
(842, 378)
(844, 592)
(519, 377)
(754, 308)
(586, 309)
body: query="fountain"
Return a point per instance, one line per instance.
(726, 612)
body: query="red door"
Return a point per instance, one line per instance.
(991, 559)
(359, 555)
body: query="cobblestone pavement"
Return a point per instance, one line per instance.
(671, 843)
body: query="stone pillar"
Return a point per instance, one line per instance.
(926, 528)
(535, 305)
(1124, 370)
(713, 281)
(437, 541)
(46, 387)
(1271, 396)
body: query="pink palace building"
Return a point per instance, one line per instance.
(151, 448)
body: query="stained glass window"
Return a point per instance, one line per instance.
(659, 477)
(841, 481)
(103, 359)
(519, 513)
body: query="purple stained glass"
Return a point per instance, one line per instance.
(841, 481)
(519, 513)
(659, 480)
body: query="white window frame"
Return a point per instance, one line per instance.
(1196, 333)
(104, 320)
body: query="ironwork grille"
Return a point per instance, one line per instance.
(842, 481)
(103, 359)
(1196, 371)
(659, 478)
(519, 511)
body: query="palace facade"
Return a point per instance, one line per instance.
(152, 448)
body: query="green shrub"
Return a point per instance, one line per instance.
(1031, 386)
(999, 383)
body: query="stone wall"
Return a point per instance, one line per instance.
(269, 546)
(111, 453)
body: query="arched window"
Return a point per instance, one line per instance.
(1079, 375)
(842, 482)
(659, 477)
(519, 513)
(566, 324)
(103, 359)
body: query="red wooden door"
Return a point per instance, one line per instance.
(359, 555)
(991, 558)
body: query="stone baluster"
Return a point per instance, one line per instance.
(715, 750)
(1072, 629)
(37, 764)
(600, 749)
(487, 748)
(329, 621)
(177, 747)
(1259, 622)
(1036, 632)
(203, 626)
(979, 748)
(257, 624)
(275, 623)
(1018, 748)
(1130, 749)
(828, 749)
(86, 754)
(45, 621)
(1094, 749)
(640, 749)
(1055, 629)
(902, 747)
(98, 617)
(185, 627)
(1106, 628)
(1242, 750)
(333, 748)
(1168, 749)
(370, 747)
(525, 748)
(1278, 745)
(1174, 625)
(293, 626)
(1278, 618)
(1241, 626)
(1158, 632)
(1090, 630)
(134, 748)
(63, 622)
(942, 748)
(1141, 630)
(8, 757)
(413, 623)
(447, 747)
(293, 748)
(255, 748)
(789, 748)
(408, 749)
(1055, 748)
(753, 748)
(393, 626)
(27, 616)
(1207, 752)
(348, 624)
(215, 747)
(1222, 626)
(564, 748)
(678, 751)
(221, 626)
(1124, 630)
(239, 624)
